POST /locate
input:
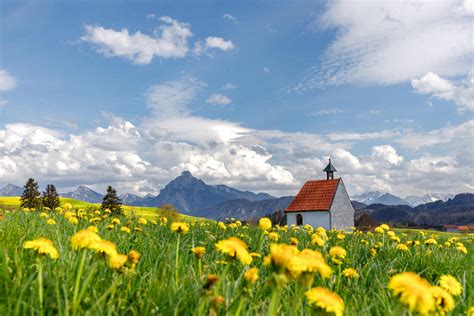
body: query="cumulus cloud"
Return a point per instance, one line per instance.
(170, 40)
(462, 95)
(218, 99)
(379, 41)
(7, 81)
(211, 43)
(141, 158)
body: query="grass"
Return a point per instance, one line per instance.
(13, 202)
(170, 279)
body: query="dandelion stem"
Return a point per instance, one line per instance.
(272, 309)
(75, 301)
(40, 286)
(176, 274)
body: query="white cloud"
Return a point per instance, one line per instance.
(172, 98)
(213, 42)
(328, 111)
(462, 95)
(230, 17)
(388, 42)
(459, 136)
(387, 153)
(218, 99)
(266, 69)
(141, 158)
(228, 86)
(7, 81)
(170, 41)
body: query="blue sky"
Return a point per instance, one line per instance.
(254, 95)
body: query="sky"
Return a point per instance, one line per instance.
(257, 95)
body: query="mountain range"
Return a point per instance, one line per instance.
(193, 196)
(376, 197)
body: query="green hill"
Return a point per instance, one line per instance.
(13, 202)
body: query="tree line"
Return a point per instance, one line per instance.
(33, 199)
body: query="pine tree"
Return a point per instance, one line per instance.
(112, 202)
(51, 197)
(31, 196)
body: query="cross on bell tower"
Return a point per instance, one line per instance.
(329, 170)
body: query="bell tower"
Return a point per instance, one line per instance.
(329, 170)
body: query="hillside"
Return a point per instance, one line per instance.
(457, 211)
(13, 202)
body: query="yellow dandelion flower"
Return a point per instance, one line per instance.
(138, 229)
(402, 247)
(142, 221)
(115, 221)
(294, 241)
(73, 220)
(255, 255)
(42, 246)
(117, 261)
(444, 300)
(125, 229)
(286, 259)
(163, 221)
(199, 252)
(133, 256)
(221, 225)
(44, 215)
(337, 252)
(326, 300)
(414, 291)
(317, 240)
(104, 247)
(450, 284)
(180, 227)
(462, 249)
(51, 221)
(390, 233)
(232, 225)
(385, 227)
(470, 311)
(447, 244)
(273, 236)
(235, 248)
(67, 206)
(265, 223)
(431, 241)
(84, 238)
(110, 226)
(379, 230)
(340, 236)
(350, 273)
(251, 275)
(373, 251)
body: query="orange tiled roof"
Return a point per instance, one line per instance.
(315, 195)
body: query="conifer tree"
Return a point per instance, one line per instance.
(51, 197)
(31, 196)
(112, 202)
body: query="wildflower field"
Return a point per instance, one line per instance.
(75, 261)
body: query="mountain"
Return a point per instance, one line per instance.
(243, 209)
(414, 200)
(11, 190)
(457, 211)
(132, 199)
(85, 194)
(367, 197)
(191, 195)
(376, 197)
